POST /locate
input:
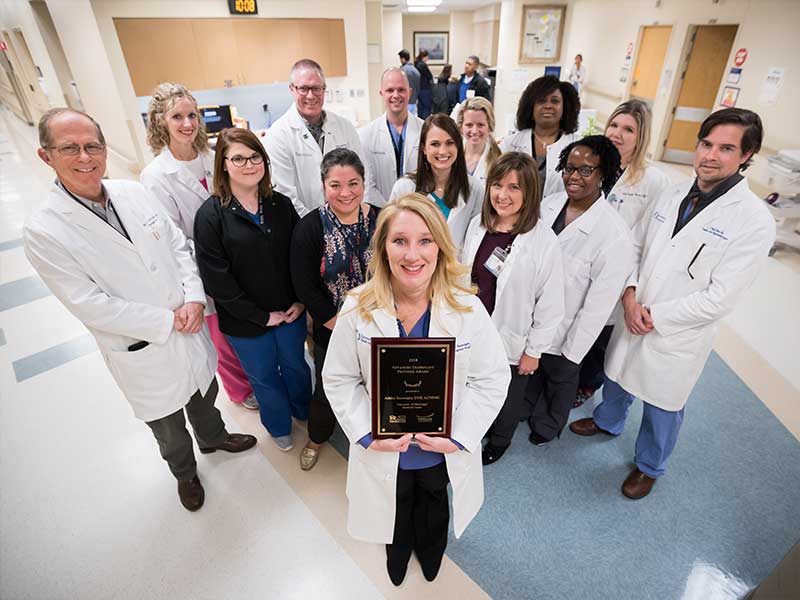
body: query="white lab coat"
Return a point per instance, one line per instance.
(481, 379)
(379, 161)
(736, 232)
(597, 250)
(460, 215)
(482, 168)
(521, 142)
(631, 199)
(295, 156)
(125, 292)
(529, 299)
(177, 189)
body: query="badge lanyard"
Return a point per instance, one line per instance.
(101, 217)
(494, 264)
(260, 210)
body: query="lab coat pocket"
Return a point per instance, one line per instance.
(514, 343)
(142, 374)
(577, 275)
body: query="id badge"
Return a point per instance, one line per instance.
(494, 264)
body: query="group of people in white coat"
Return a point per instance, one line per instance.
(526, 254)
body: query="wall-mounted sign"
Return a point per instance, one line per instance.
(3, 45)
(734, 75)
(729, 96)
(740, 57)
(243, 7)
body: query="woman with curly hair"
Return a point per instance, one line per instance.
(547, 121)
(180, 178)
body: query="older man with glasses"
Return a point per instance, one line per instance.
(298, 140)
(115, 260)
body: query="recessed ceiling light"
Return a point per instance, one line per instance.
(421, 9)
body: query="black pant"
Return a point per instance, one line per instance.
(321, 420)
(550, 392)
(592, 373)
(504, 426)
(174, 441)
(421, 518)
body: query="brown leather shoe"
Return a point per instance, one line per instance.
(236, 442)
(637, 485)
(191, 493)
(586, 427)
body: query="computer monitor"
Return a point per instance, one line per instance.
(555, 70)
(216, 118)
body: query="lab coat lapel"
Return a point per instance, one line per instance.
(386, 323)
(187, 179)
(307, 139)
(710, 212)
(444, 322)
(584, 224)
(411, 147)
(92, 224)
(505, 272)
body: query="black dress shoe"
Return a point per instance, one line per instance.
(397, 571)
(431, 570)
(191, 493)
(490, 454)
(235, 442)
(537, 440)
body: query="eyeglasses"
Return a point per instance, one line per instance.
(317, 90)
(240, 161)
(92, 149)
(583, 170)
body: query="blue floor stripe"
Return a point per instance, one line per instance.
(43, 361)
(10, 244)
(21, 291)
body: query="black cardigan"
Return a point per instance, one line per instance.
(245, 268)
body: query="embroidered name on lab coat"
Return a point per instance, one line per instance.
(363, 338)
(715, 231)
(659, 217)
(464, 346)
(151, 226)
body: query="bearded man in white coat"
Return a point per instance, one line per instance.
(390, 142)
(298, 140)
(116, 261)
(700, 245)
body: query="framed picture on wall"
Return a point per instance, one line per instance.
(542, 31)
(436, 43)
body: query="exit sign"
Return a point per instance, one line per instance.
(243, 7)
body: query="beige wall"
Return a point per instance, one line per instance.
(374, 17)
(461, 40)
(392, 37)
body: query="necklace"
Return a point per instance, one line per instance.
(543, 143)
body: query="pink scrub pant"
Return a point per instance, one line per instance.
(230, 370)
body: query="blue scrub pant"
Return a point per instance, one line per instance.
(275, 365)
(657, 434)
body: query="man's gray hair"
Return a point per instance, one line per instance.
(394, 70)
(474, 58)
(46, 140)
(306, 63)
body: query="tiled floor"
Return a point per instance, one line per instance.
(88, 509)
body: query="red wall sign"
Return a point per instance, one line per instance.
(741, 56)
(3, 45)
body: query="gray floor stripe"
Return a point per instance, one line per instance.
(2, 338)
(38, 363)
(10, 244)
(19, 292)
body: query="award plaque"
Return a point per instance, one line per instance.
(412, 386)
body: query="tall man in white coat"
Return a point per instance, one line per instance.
(116, 261)
(390, 142)
(699, 246)
(298, 140)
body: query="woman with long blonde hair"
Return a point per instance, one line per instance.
(416, 290)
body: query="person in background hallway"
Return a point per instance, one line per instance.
(445, 95)
(425, 100)
(516, 264)
(414, 79)
(397, 491)
(242, 235)
(442, 175)
(476, 122)
(639, 183)
(471, 83)
(298, 140)
(699, 247)
(597, 249)
(329, 256)
(390, 142)
(180, 178)
(117, 262)
(577, 74)
(547, 121)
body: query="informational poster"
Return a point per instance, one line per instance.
(729, 96)
(542, 30)
(734, 75)
(771, 86)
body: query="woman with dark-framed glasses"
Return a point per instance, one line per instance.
(597, 252)
(242, 236)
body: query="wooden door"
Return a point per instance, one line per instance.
(708, 55)
(649, 61)
(29, 70)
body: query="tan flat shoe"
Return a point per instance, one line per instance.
(308, 458)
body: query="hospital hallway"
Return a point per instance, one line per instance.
(88, 510)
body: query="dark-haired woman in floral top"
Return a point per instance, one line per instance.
(329, 256)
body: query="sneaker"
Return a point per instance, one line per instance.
(251, 402)
(582, 396)
(283, 442)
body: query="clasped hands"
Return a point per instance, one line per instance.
(638, 319)
(188, 318)
(276, 317)
(426, 442)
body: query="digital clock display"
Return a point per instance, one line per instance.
(243, 7)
